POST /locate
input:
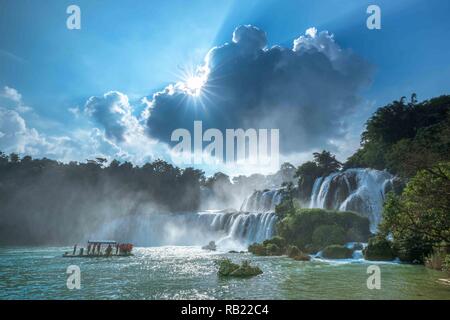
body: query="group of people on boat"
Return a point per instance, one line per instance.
(94, 248)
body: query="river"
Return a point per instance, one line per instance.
(188, 272)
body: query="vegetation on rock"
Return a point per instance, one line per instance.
(305, 231)
(336, 251)
(271, 247)
(313, 229)
(277, 246)
(229, 269)
(379, 249)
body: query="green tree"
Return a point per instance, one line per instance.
(326, 162)
(419, 218)
(14, 158)
(429, 146)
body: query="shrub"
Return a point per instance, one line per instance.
(435, 261)
(439, 259)
(446, 264)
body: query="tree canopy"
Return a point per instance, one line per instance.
(405, 137)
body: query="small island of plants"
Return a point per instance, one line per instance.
(229, 269)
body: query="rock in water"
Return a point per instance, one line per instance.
(295, 253)
(211, 246)
(230, 269)
(379, 249)
(337, 252)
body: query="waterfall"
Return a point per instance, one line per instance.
(262, 201)
(359, 190)
(243, 227)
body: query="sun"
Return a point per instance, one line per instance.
(193, 81)
(194, 85)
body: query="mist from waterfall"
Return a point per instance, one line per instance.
(231, 230)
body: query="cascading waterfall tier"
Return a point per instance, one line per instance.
(359, 190)
(262, 201)
(254, 223)
(245, 227)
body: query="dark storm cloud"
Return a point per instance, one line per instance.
(307, 91)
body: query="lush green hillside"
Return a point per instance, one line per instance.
(412, 140)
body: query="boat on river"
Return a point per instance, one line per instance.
(101, 249)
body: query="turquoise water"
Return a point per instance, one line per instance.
(190, 273)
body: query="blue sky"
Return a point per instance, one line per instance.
(138, 48)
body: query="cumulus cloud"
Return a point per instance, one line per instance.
(132, 145)
(15, 97)
(12, 94)
(121, 129)
(14, 132)
(114, 112)
(307, 91)
(16, 136)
